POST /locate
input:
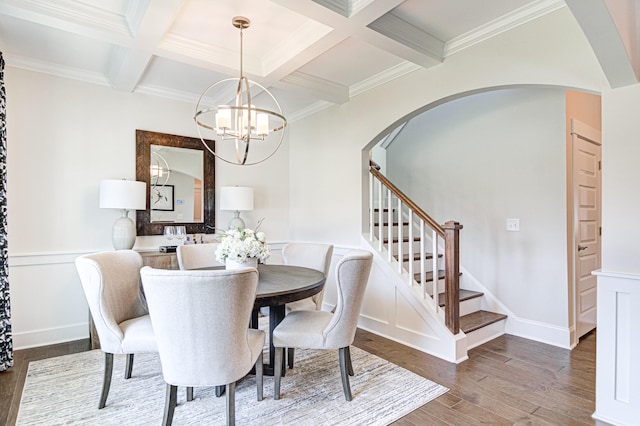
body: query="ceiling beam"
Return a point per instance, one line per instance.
(130, 63)
(387, 33)
(608, 39)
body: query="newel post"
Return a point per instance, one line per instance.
(452, 275)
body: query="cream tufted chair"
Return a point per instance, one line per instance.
(111, 284)
(327, 330)
(313, 256)
(194, 256)
(201, 323)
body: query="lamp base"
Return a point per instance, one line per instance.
(124, 232)
(236, 222)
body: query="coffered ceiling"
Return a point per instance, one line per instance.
(310, 53)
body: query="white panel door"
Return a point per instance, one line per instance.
(587, 206)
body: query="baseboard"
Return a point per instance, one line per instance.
(540, 332)
(50, 336)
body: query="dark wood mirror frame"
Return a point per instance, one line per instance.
(144, 140)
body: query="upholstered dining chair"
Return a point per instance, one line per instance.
(111, 284)
(328, 330)
(310, 255)
(194, 256)
(201, 323)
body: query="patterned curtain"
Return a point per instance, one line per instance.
(6, 342)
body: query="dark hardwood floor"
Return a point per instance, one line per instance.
(507, 381)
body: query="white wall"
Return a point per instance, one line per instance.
(620, 180)
(64, 137)
(482, 159)
(329, 151)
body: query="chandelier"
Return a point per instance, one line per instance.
(240, 121)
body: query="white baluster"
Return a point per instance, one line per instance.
(400, 243)
(423, 255)
(434, 267)
(390, 228)
(380, 209)
(371, 204)
(410, 251)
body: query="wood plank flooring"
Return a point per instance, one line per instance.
(507, 381)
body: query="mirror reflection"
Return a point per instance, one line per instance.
(175, 184)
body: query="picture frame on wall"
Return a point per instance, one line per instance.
(162, 198)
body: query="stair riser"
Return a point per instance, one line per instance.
(470, 306)
(440, 288)
(484, 334)
(405, 247)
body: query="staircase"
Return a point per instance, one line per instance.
(418, 249)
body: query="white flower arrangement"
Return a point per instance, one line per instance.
(242, 244)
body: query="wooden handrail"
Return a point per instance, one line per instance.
(450, 232)
(417, 210)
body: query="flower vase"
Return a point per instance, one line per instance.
(251, 262)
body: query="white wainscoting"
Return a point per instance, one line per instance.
(618, 349)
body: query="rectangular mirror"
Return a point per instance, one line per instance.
(176, 184)
(180, 178)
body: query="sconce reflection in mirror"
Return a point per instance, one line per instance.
(160, 171)
(160, 174)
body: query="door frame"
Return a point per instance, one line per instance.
(590, 134)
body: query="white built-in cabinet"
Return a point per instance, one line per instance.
(618, 349)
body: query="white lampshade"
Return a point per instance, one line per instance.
(236, 198)
(123, 194)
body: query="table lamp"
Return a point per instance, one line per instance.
(236, 199)
(124, 195)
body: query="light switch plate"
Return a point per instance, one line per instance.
(513, 224)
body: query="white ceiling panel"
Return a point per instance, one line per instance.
(340, 65)
(310, 54)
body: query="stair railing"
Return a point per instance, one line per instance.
(391, 206)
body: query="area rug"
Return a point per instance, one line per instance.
(66, 389)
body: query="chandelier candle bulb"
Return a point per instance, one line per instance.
(262, 124)
(223, 119)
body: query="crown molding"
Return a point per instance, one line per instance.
(383, 77)
(163, 92)
(504, 23)
(72, 16)
(322, 88)
(43, 67)
(308, 111)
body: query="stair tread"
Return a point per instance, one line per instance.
(416, 256)
(405, 239)
(479, 319)
(395, 223)
(464, 295)
(429, 275)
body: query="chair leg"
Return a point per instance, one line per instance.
(277, 372)
(231, 404)
(344, 373)
(349, 364)
(170, 404)
(128, 367)
(259, 377)
(290, 355)
(189, 393)
(106, 381)
(219, 391)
